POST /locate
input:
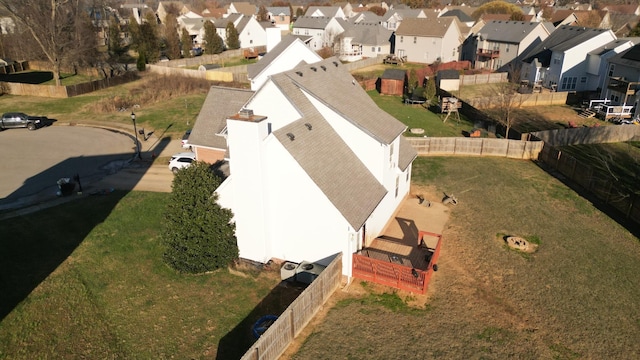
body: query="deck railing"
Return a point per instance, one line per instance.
(396, 275)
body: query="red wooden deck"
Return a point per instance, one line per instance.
(399, 262)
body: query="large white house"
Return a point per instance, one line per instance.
(316, 168)
(561, 61)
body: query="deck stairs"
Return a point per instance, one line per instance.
(587, 113)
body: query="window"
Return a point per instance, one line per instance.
(281, 17)
(557, 59)
(306, 31)
(612, 67)
(250, 41)
(379, 49)
(397, 184)
(373, 49)
(415, 39)
(506, 48)
(583, 79)
(391, 154)
(401, 38)
(569, 83)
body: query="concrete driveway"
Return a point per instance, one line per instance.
(33, 161)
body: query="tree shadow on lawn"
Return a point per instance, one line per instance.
(28, 77)
(34, 242)
(609, 210)
(34, 245)
(236, 343)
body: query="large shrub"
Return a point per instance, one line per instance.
(198, 234)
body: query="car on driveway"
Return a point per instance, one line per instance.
(22, 120)
(181, 161)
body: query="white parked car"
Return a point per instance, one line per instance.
(181, 161)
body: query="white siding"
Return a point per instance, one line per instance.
(263, 103)
(253, 34)
(287, 60)
(245, 140)
(303, 223)
(370, 152)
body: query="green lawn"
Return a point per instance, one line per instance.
(86, 280)
(416, 116)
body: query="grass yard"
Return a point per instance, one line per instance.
(416, 116)
(576, 297)
(175, 113)
(86, 280)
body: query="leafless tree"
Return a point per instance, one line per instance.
(505, 100)
(60, 28)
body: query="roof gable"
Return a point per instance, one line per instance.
(218, 105)
(562, 39)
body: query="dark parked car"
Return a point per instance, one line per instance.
(22, 120)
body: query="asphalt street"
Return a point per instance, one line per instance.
(33, 162)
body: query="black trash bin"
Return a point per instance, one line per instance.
(66, 186)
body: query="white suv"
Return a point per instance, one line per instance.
(181, 161)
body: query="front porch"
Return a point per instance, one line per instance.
(406, 255)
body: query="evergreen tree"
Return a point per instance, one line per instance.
(233, 39)
(430, 89)
(145, 39)
(198, 234)
(172, 40)
(213, 41)
(141, 63)
(185, 43)
(115, 45)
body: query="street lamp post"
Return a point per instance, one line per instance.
(135, 131)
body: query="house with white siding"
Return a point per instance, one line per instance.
(561, 61)
(315, 167)
(363, 40)
(318, 32)
(250, 32)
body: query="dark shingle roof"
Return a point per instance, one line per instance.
(321, 152)
(512, 32)
(461, 15)
(221, 102)
(393, 74)
(331, 83)
(561, 39)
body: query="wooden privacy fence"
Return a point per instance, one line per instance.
(292, 321)
(522, 100)
(490, 78)
(588, 135)
(397, 275)
(54, 91)
(594, 181)
(516, 149)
